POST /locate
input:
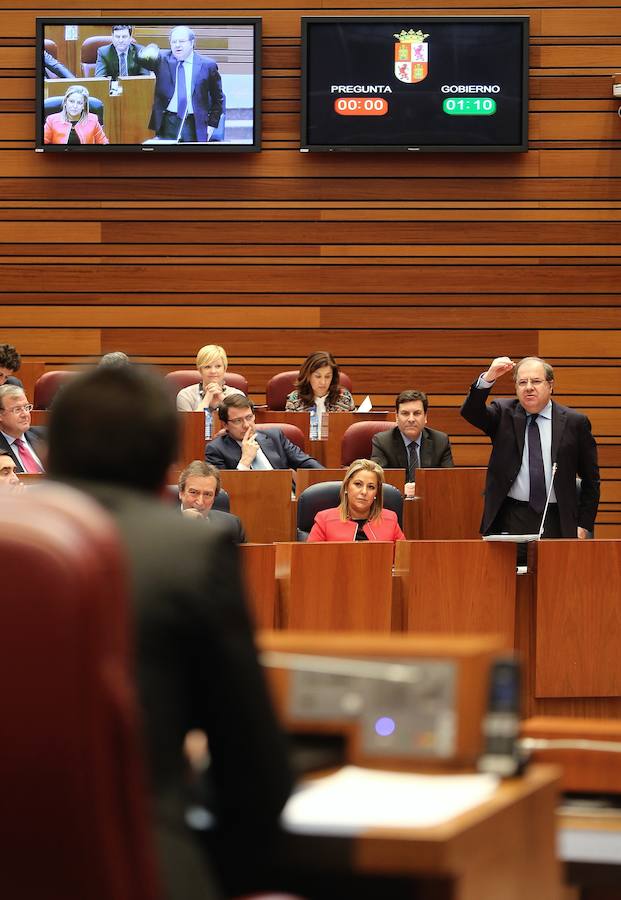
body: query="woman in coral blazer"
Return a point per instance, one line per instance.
(74, 124)
(360, 516)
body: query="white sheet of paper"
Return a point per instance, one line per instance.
(366, 405)
(354, 799)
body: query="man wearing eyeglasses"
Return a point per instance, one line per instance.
(245, 448)
(25, 445)
(529, 435)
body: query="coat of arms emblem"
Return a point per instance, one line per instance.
(411, 56)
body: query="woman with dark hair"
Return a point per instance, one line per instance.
(318, 387)
(361, 515)
(74, 124)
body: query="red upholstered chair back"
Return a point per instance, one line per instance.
(182, 378)
(74, 822)
(88, 53)
(46, 386)
(283, 383)
(356, 442)
(51, 47)
(292, 432)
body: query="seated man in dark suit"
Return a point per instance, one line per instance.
(120, 58)
(10, 361)
(53, 68)
(114, 434)
(199, 485)
(245, 448)
(24, 444)
(411, 445)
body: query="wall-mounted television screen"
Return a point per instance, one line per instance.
(148, 84)
(415, 83)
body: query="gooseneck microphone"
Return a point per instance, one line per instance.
(545, 508)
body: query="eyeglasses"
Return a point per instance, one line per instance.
(247, 420)
(27, 407)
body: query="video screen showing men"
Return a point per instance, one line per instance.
(187, 104)
(25, 445)
(245, 448)
(120, 58)
(411, 445)
(531, 434)
(199, 486)
(114, 434)
(156, 83)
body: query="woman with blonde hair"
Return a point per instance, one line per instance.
(74, 124)
(212, 363)
(360, 515)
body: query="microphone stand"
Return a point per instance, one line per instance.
(545, 508)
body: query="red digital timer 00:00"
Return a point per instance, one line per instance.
(361, 106)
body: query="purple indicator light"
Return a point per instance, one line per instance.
(385, 726)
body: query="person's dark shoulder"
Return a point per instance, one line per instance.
(11, 379)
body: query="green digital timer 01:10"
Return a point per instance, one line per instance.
(469, 106)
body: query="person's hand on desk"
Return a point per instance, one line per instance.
(249, 447)
(210, 131)
(499, 367)
(410, 490)
(583, 534)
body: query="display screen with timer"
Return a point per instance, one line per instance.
(427, 83)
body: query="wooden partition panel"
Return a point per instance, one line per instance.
(450, 503)
(578, 624)
(413, 269)
(262, 500)
(335, 586)
(458, 587)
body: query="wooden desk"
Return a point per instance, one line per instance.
(305, 477)
(504, 849)
(328, 451)
(262, 500)
(451, 503)
(458, 587)
(259, 571)
(335, 586)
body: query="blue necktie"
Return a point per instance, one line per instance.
(182, 96)
(537, 496)
(123, 65)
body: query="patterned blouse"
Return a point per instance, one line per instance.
(344, 403)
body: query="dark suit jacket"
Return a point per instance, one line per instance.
(227, 522)
(55, 69)
(225, 453)
(107, 63)
(573, 449)
(197, 668)
(36, 437)
(389, 450)
(12, 379)
(206, 90)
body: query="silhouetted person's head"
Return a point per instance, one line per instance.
(114, 425)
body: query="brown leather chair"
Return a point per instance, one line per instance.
(182, 378)
(88, 53)
(291, 432)
(356, 442)
(74, 815)
(47, 385)
(51, 47)
(281, 385)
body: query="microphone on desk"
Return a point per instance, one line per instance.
(545, 508)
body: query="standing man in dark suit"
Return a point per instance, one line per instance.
(199, 485)
(411, 445)
(25, 444)
(121, 57)
(187, 104)
(114, 433)
(530, 434)
(245, 448)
